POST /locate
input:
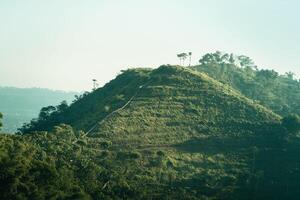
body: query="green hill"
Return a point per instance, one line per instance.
(176, 104)
(167, 133)
(280, 93)
(167, 98)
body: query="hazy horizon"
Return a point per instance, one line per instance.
(63, 45)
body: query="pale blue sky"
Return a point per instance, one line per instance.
(63, 44)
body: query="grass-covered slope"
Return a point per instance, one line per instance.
(176, 104)
(92, 107)
(162, 101)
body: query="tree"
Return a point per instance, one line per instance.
(217, 56)
(231, 59)
(182, 57)
(245, 61)
(62, 106)
(1, 116)
(225, 58)
(291, 123)
(290, 75)
(46, 112)
(206, 59)
(267, 78)
(267, 74)
(212, 58)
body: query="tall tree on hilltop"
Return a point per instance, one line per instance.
(182, 58)
(231, 59)
(290, 75)
(245, 61)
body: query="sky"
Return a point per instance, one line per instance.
(64, 44)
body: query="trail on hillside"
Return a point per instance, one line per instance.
(115, 111)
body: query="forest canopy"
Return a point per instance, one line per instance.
(280, 93)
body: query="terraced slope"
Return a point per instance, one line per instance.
(176, 104)
(170, 102)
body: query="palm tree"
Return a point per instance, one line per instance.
(95, 84)
(190, 58)
(182, 57)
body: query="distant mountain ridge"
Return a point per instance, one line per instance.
(20, 105)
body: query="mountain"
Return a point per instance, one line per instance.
(20, 105)
(280, 93)
(161, 101)
(175, 104)
(167, 133)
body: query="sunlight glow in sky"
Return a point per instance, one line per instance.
(64, 44)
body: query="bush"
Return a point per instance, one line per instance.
(128, 155)
(105, 144)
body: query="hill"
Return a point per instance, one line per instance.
(176, 104)
(167, 133)
(280, 93)
(20, 105)
(167, 98)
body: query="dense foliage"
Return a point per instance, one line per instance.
(292, 123)
(281, 93)
(64, 164)
(168, 133)
(20, 105)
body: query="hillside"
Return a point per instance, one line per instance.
(20, 105)
(167, 98)
(167, 133)
(280, 93)
(176, 104)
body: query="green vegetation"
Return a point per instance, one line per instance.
(178, 104)
(90, 108)
(20, 105)
(280, 93)
(171, 98)
(168, 133)
(1, 116)
(64, 164)
(292, 123)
